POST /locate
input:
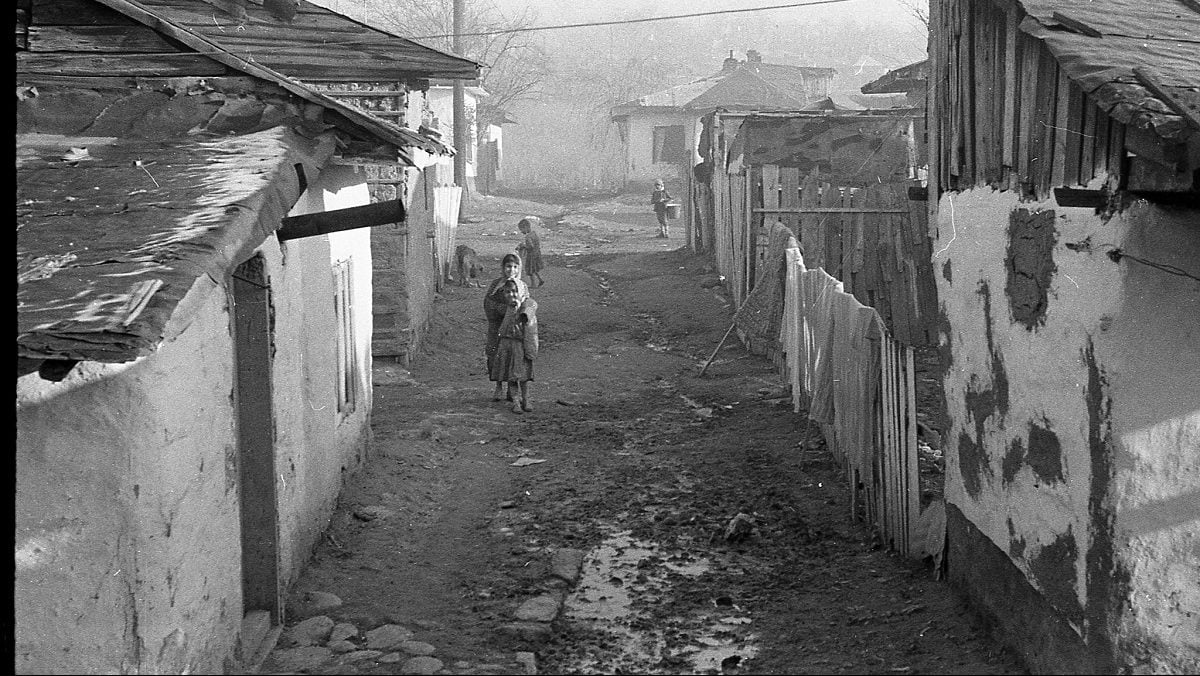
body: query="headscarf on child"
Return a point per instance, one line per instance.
(526, 307)
(493, 300)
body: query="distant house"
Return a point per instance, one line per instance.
(440, 104)
(905, 86)
(194, 321)
(660, 131)
(1065, 194)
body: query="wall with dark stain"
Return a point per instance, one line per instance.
(1073, 399)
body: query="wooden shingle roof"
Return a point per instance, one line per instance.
(316, 44)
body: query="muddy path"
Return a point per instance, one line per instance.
(641, 519)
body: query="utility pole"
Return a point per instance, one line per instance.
(460, 111)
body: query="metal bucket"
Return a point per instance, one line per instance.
(672, 210)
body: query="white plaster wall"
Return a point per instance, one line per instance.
(127, 523)
(1145, 327)
(639, 164)
(316, 446)
(441, 102)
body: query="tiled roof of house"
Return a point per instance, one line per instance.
(1139, 60)
(763, 86)
(899, 80)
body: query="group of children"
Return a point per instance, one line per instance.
(512, 334)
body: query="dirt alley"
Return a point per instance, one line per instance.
(628, 457)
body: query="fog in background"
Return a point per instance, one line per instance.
(563, 138)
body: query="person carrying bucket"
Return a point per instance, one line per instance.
(660, 199)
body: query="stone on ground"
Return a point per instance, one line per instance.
(421, 665)
(313, 603)
(417, 648)
(542, 608)
(343, 631)
(566, 564)
(388, 637)
(296, 659)
(313, 631)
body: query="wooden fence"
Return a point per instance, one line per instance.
(858, 383)
(874, 239)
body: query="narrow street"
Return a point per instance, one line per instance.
(641, 519)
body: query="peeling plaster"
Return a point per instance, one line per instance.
(982, 401)
(1053, 567)
(1108, 583)
(1029, 265)
(1014, 460)
(1045, 453)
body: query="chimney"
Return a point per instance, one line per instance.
(752, 56)
(730, 63)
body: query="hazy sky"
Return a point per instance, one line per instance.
(589, 10)
(550, 12)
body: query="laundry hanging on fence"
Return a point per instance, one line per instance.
(832, 346)
(855, 365)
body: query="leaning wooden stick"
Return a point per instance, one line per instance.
(717, 349)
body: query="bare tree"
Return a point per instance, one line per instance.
(919, 9)
(514, 66)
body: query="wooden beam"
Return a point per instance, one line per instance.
(1150, 80)
(325, 222)
(1079, 197)
(1075, 25)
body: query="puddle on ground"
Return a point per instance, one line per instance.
(623, 575)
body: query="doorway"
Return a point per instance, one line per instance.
(253, 340)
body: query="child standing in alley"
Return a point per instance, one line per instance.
(659, 198)
(517, 347)
(531, 250)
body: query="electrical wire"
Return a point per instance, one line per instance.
(628, 21)
(1116, 254)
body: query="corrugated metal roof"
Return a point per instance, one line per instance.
(112, 235)
(316, 44)
(1100, 43)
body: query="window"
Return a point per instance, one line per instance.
(347, 357)
(669, 144)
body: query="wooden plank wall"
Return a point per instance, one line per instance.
(873, 239)
(1004, 114)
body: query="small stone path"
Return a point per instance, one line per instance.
(317, 644)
